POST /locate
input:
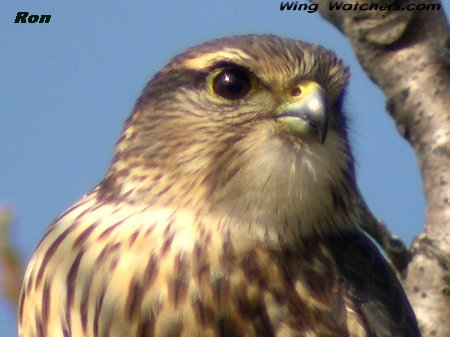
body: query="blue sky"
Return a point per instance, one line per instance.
(67, 87)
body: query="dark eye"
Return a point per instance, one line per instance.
(232, 83)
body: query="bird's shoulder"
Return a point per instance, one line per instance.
(372, 289)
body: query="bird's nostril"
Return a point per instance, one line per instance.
(296, 91)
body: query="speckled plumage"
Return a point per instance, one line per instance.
(222, 217)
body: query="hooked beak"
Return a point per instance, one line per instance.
(307, 114)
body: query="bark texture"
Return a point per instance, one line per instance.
(407, 54)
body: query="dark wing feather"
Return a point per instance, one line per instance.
(372, 285)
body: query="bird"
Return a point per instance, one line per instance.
(230, 209)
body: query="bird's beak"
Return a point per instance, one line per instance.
(306, 114)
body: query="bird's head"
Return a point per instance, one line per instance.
(250, 126)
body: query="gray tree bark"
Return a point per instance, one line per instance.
(407, 54)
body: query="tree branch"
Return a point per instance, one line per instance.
(10, 261)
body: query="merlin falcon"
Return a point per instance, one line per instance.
(230, 209)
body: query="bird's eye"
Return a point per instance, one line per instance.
(232, 83)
